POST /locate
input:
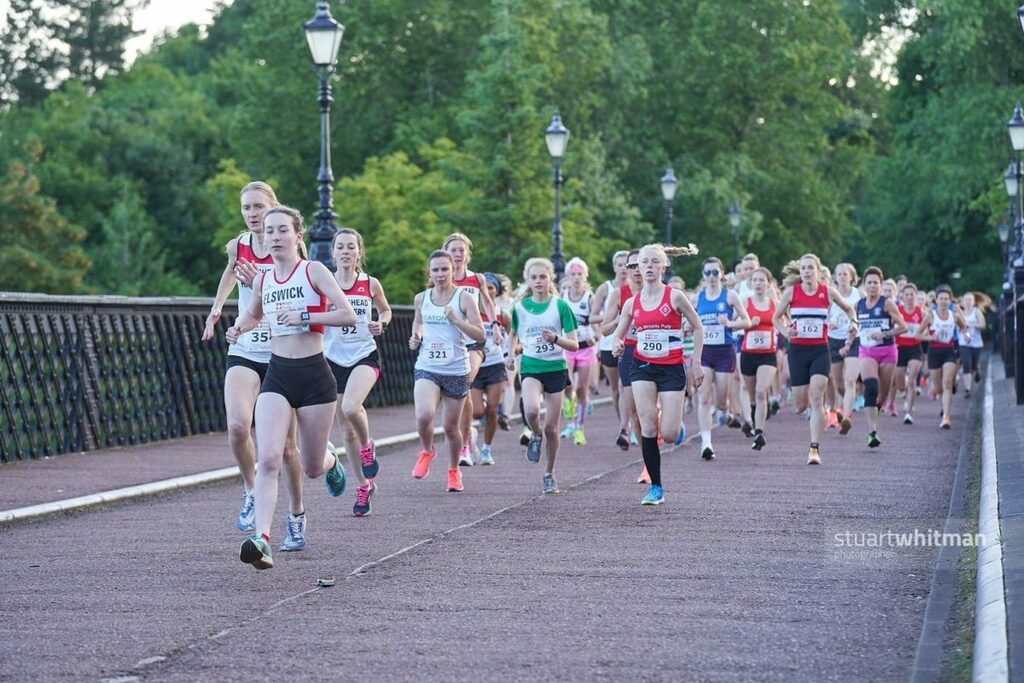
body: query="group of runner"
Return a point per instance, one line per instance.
(303, 353)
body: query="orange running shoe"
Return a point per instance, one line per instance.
(454, 480)
(422, 466)
(644, 478)
(831, 421)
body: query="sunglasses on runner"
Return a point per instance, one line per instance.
(632, 266)
(712, 273)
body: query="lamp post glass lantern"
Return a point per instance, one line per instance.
(323, 37)
(1010, 180)
(735, 218)
(1020, 17)
(556, 136)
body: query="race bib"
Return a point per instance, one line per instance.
(759, 339)
(944, 335)
(809, 328)
(714, 334)
(257, 340)
(653, 343)
(911, 332)
(544, 350)
(439, 353)
(349, 334)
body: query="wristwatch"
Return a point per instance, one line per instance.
(305, 320)
(383, 327)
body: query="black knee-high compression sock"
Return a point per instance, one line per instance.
(652, 458)
(522, 413)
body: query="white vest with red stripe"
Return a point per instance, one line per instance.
(254, 345)
(295, 293)
(349, 344)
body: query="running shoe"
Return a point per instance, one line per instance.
(247, 514)
(892, 409)
(368, 458)
(485, 455)
(526, 436)
(845, 426)
(946, 422)
(455, 480)
(632, 439)
(812, 457)
(422, 466)
(622, 440)
(334, 478)
(831, 420)
(655, 495)
(503, 423)
(578, 437)
(747, 429)
(732, 422)
(967, 393)
(294, 533)
(859, 403)
(590, 407)
(644, 478)
(908, 419)
(256, 551)
(363, 495)
(533, 449)
(682, 434)
(465, 459)
(721, 418)
(569, 408)
(759, 441)
(773, 407)
(569, 430)
(873, 440)
(708, 453)
(550, 485)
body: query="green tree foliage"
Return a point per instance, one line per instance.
(42, 251)
(437, 123)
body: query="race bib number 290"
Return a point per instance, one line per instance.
(653, 343)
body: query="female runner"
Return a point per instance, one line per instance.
(546, 326)
(845, 366)
(938, 328)
(491, 379)
(879, 321)
(656, 313)
(460, 248)
(616, 301)
(293, 296)
(757, 355)
(908, 351)
(584, 361)
(352, 354)
(247, 365)
(720, 313)
(806, 300)
(445, 317)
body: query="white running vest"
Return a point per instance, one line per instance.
(294, 293)
(838, 321)
(605, 344)
(349, 344)
(582, 310)
(254, 345)
(443, 348)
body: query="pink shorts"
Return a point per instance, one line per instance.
(886, 354)
(583, 357)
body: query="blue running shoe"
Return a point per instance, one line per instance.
(294, 533)
(632, 439)
(533, 449)
(590, 409)
(363, 495)
(368, 458)
(335, 478)
(655, 495)
(682, 435)
(247, 514)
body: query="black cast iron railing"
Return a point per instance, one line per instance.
(81, 373)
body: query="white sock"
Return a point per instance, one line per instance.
(705, 438)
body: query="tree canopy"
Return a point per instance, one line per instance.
(788, 108)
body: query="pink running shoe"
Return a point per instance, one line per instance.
(454, 480)
(368, 458)
(422, 466)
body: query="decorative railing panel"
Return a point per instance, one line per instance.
(80, 373)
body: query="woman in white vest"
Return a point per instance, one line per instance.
(247, 365)
(970, 351)
(293, 297)
(446, 315)
(352, 354)
(582, 362)
(546, 327)
(843, 360)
